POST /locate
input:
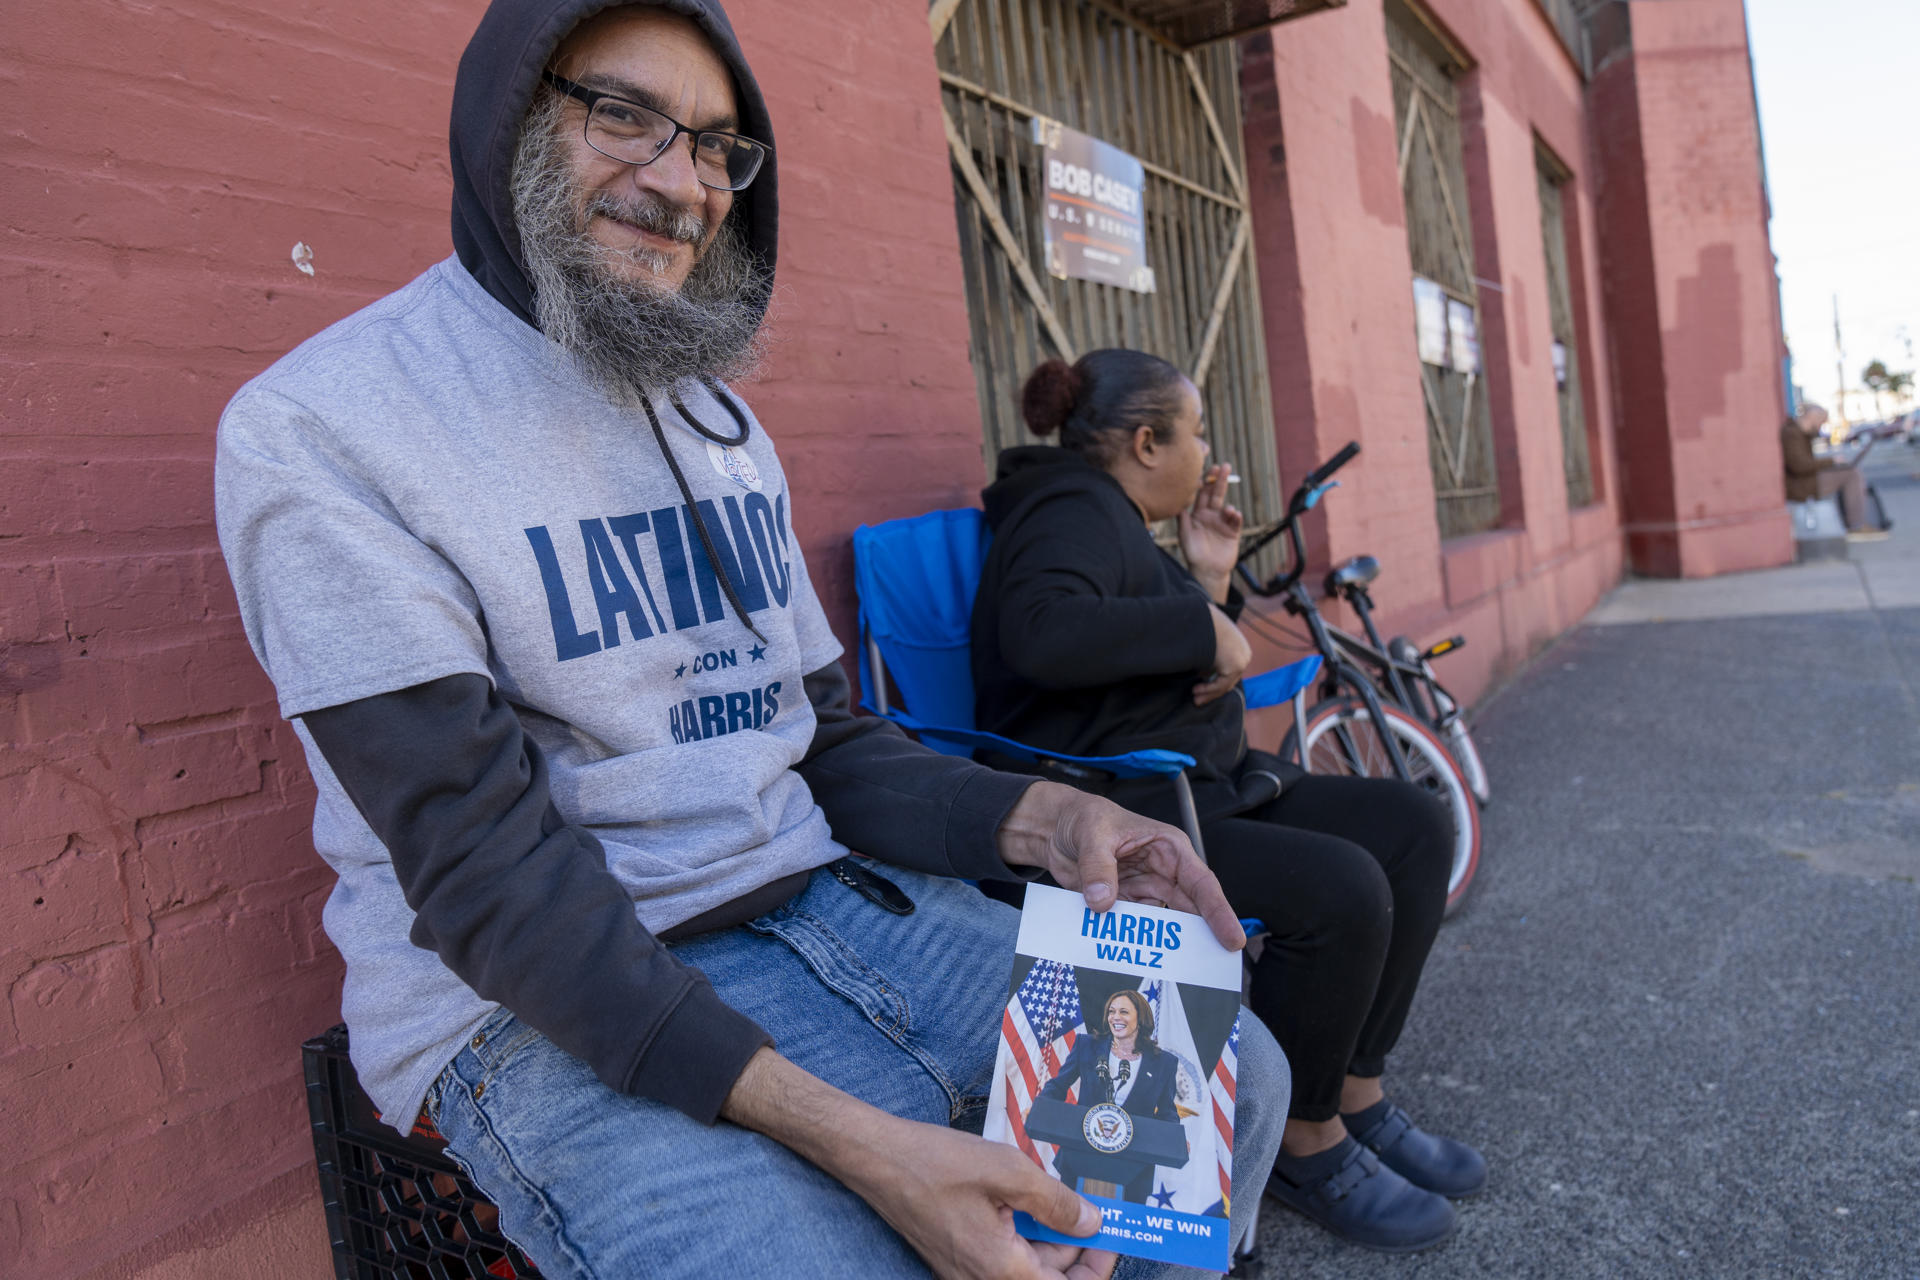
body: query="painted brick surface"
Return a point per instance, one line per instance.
(1331, 246)
(1690, 285)
(1338, 301)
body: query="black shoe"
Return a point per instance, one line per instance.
(1437, 1164)
(1365, 1202)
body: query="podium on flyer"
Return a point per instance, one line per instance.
(1153, 1142)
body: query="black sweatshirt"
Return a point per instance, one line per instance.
(1088, 638)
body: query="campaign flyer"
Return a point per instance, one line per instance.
(1116, 1072)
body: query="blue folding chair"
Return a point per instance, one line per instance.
(917, 578)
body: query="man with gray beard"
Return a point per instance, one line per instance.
(521, 566)
(631, 335)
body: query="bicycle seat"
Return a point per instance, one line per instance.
(1357, 572)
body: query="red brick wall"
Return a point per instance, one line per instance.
(869, 390)
(1330, 239)
(1690, 281)
(163, 955)
(163, 958)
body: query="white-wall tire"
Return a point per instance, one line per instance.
(1340, 740)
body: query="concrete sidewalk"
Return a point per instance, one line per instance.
(1681, 1013)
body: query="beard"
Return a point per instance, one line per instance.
(632, 338)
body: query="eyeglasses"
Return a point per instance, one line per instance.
(623, 130)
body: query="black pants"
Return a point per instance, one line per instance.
(1350, 876)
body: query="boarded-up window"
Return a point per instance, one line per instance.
(1433, 183)
(1575, 458)
(1093, 68)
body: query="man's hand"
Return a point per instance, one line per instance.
(1231, 655)
(952, 1195)
(1107, 853)
(949, 1194)
(1210, 533)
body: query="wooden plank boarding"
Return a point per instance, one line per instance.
(1098, 69)
(1422, 65)
(963, 157)
(1221, 297)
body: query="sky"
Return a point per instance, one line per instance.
(1839, 88)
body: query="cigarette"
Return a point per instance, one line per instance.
(1232, 479)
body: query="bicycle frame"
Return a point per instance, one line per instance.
(1412, 687)
(1339, 672)
(1428, 715)
(1300, 603)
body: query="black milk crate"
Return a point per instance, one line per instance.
(396, 1206)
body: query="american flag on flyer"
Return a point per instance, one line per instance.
(1222, 1085)
(1205, 1104)
(1036, 1033)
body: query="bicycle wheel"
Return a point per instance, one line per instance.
(1341, 739)
(1460, 742)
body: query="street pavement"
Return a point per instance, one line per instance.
(1681, 1011)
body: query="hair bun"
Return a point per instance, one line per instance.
(1047, 399)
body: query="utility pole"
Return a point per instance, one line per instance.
(1839, 367)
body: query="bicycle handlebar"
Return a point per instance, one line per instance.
(1303, 498)
(1316, 477)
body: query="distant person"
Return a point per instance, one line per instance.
(1810, 476)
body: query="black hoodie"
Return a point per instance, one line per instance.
(513, 898)
(1088, 638)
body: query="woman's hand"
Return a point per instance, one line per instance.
(1231, 654)
(1210, 533)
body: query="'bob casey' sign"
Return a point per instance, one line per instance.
(1095, 227)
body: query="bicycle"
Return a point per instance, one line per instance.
(1425, 741)
(1403, 672)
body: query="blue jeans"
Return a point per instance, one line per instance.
(902, 1012)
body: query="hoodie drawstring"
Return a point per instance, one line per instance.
(693, 508)
(726, 402)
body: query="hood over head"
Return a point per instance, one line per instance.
(514, 43)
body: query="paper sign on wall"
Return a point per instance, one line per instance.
(1094, 219)
(1464, 337)
(1430, 321)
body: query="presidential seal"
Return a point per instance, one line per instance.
(1108, 1129)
